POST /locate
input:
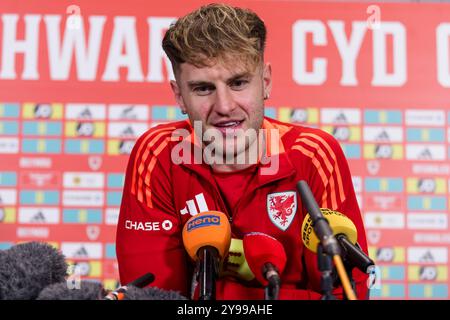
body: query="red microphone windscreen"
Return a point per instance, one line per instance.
(260, 248)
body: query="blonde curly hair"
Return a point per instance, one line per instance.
(216, 33)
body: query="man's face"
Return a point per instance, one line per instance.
(227, 99)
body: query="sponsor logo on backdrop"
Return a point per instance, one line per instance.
(128, 112)
(341, 133)
(85, 129)
(373, 167)
(35, 162)
(385, 220)
(30, 215)
(340, 116)
(299, 115)
(427, 255)
(383, 134)
(430, 118)
(385, 254)
(83, 198)
(33, 232)
(383, 151)
(83, 180)
(80, 250)
(85, 111)
(425, 152)
(374, 236)
(43, 111)
(39, 179)
(9, 145)
(95, 162)
(428, 273)
(93, 232)
(8, 197)
(126, 146)
(437, 169)
(427, 221)
(426, 185)
(438, 238)
(126, 130)
(112, 216)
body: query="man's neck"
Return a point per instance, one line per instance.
(234, 164)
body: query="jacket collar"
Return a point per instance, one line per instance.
(273, 165)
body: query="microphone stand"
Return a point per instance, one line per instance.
(326, 269)
(325, 234)
(272, 290)
(209, 269)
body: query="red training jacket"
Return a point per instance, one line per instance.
(161, 194)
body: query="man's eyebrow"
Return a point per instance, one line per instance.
(194, 83)
(241, 75)
(199, 83)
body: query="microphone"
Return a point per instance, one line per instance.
(266, 258)
(346, 235)
(27, 268)
(151, 293)
(140, 282)
(87, 290)
(92, 290)
(318, 222)
(235, 264)
(206, 238)
(328, 242)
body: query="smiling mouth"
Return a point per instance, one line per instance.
(228, 124)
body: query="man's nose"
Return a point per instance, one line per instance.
(224, 103)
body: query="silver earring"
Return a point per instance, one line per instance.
(266, 96)
(183, 112)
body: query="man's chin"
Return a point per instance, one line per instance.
(230, 152)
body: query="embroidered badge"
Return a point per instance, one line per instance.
(281, 207)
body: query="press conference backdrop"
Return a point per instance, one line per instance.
(80, 81)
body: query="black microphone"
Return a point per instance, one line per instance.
(354, 255)
(319, 223)
(140, 282)
(27, 268)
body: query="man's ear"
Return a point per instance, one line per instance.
(267, 80)
(177, 93)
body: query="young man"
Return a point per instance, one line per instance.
(248, 163)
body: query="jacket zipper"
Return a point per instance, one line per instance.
(253, 189)
(217, 194)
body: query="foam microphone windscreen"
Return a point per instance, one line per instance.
(84, 290)
(27, 268)
(260, 248)
(151, 293)
(339, 223)
(209, 228)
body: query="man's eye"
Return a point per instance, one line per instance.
(203, 90)
(239, 84)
